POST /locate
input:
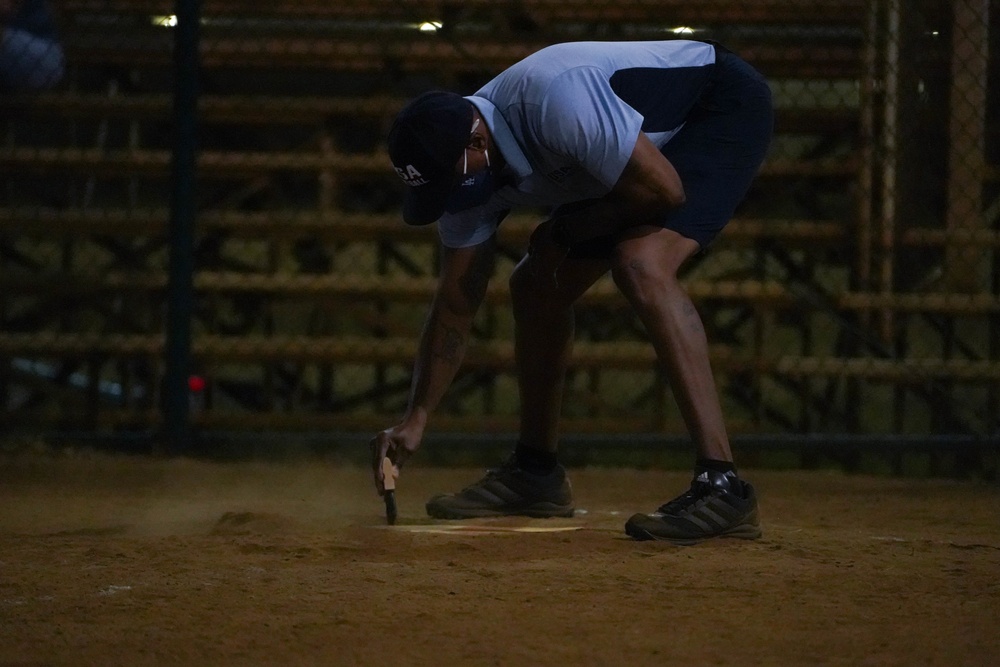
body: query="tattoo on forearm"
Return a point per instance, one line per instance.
(450, 348)
(475, 281)
(694, 323)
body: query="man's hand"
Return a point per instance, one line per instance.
(541, 236)
(398, 444)
(546, 253)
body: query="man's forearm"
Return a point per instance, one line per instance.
(462, 286)
(442, 348)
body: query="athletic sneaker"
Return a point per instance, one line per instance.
(717, 505)
(508, 490)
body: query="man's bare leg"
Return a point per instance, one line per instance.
(718, 503)
(543, 290)
(535, 485)
(645, 268)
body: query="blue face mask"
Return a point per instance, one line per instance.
(474, 190)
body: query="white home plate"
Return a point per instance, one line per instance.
(468, 529)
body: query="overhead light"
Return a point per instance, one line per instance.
(430, 26)
(682, 30)
(165, 21)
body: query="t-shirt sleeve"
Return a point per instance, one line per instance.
(582, 118)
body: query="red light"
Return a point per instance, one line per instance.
(196, 384)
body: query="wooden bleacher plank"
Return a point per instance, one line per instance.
(278, 110)
(347, 227)
(237, 164)
(419, 289)
(445, 423)
(420, 54)
(241, 109)
(787, 231)
(73, 407)
(978, 238)
(949, 303)
(630, 11)
(896, 371)
(496, 355)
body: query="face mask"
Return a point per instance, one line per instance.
(474, 190)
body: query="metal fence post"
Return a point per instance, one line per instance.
(180, 289)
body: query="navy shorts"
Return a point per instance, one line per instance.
(717, 153)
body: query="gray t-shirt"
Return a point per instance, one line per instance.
(567, 118)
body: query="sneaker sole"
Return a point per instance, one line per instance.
(544, 511)
(743, 532)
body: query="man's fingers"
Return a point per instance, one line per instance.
(392, 445)
(399, 456)
(379, 446)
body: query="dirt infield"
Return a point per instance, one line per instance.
(122, 561)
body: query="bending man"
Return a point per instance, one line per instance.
(643, 150)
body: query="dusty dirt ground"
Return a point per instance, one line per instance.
(108, 560)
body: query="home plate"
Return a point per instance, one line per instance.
(467, 529)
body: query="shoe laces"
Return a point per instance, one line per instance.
(698, 490)
(506, 468)
(703, 485)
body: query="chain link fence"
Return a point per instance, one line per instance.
(855, 293)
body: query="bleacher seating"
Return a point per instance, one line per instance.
(298, 214)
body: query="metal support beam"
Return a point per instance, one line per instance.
(180, 288)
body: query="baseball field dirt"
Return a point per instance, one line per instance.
(118, 560)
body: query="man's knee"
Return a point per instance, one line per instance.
(535, 294)
(640, 279)
(646, 268)
(525, 292)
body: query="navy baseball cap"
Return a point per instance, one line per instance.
(425, 142)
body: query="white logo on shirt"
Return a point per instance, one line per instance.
(410, 175)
